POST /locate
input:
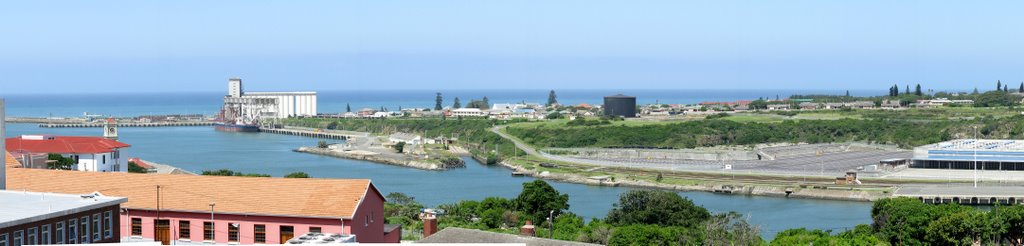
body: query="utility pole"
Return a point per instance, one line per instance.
(551, 224)
(975, 158)
(211, 211)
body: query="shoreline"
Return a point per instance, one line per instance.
(375, 158)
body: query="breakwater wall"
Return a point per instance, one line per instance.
(156, 124)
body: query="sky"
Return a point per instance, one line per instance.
(182, 46)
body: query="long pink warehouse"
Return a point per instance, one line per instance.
(242, 210)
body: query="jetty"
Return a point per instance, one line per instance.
(314, 133)
(153, 124)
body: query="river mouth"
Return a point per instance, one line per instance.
(201, 148)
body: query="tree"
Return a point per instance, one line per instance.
(895, 90)
(438, 101)
(553, 99)
(399, 147)
(1006, 88)
(999, 85)
(1009, 222)
(457, 104)
(538, 200)
(322, 144)
(60, 162)
(297, 175)
(135, 168)
(654, 235)
(348, 108)
(907, 91)
(486, 103)
(847, 93)
(975, 91)
(961, 228)
(1021, 90)
(653, 207)
(917, 90)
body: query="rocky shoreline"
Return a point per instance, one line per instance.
(736, 189)
(363, 155)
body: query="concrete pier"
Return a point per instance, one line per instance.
(313, 133)
(157, 124)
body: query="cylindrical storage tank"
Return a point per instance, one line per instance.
(620, 105)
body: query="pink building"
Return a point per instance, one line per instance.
(244, 210)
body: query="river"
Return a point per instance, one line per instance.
(202, 148)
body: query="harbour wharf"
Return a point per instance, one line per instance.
(963, 194)
(314, 133)
(152, 124)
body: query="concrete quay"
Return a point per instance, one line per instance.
(960, 193)
(314, 133)
(157, 124)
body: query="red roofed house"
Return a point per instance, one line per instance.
(94, 154)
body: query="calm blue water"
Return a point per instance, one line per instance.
(134, 104)
(202, 148)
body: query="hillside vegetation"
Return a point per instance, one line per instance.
(706, 133)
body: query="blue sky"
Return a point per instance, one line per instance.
(152, 46)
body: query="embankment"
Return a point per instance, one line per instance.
(777, 190)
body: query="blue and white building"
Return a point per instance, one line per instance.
(985, 154)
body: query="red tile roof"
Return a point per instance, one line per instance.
(308, 197)
(64, 145)
(9, 160)
(140, 163)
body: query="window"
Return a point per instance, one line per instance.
(183, 231)
(208, 231)
(3, 239)
(72, 231)
(18, 237)
(314, 229)
(83, 229)
(31, 238)
(59, 232)
(136, 226)
(44, 239)
(96, 227)
(260, 234)
(232, 232)
(108, 224)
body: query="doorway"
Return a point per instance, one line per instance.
(287, 233)
(162, 231)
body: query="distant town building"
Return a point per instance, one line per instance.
(95, 154)
(468, 112)
(34, 218)
(778, 106)
(195, 209)
(620, 105)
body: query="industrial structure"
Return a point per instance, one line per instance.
(983, 154)
(245, 111)
(620, 105)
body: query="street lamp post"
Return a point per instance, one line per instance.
(211, 211)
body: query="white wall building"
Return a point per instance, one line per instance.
(468, 112)
(94, 154)
(281, 105)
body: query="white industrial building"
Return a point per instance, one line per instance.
(984, 154)
(271, 104)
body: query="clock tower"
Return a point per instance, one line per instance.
(110, 129)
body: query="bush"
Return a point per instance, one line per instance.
(322, 144)
(653, 207)
(300, 175)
